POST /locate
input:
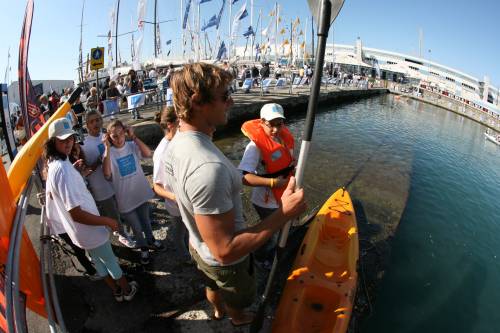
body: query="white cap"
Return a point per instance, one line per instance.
(271, 111)
(61, 129)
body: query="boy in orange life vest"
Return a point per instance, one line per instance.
(267, 164)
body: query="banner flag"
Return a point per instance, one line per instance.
(33, 118)
(186, 14)
(135, 101)
(249, 32)
(141, 12)
(211, 23)
(220, 13)
(241, 14)
(222, 51)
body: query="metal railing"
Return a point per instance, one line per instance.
(15, 310)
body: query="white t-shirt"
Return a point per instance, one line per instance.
(251, 163)
(93, 148)
(205, 182)
(65, 190)
(160, 175)
(131, 186)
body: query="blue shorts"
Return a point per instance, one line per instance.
(105, 261)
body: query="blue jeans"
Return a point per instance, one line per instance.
(139, 221)
(105, 261)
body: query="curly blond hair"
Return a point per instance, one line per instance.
(196, 78)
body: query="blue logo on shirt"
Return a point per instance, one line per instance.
(101, 148)
(126, 165)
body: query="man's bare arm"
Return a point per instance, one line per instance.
(228, 245)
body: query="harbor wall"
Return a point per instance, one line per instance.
(247, 106)
(455, 106)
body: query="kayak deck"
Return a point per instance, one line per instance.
(319, 292)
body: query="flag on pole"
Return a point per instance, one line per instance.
(222, 53)
(186, 14)
(158, 39)
(220, 13)
(141, 12)
(282, 31)
(211, 23)
(241, 14)
(169, 42)
(249, 32)
(33, 119)
(296, 23)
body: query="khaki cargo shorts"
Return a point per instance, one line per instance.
(235, 282)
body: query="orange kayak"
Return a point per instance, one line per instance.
(319, 293)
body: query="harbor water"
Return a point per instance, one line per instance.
(428, 184)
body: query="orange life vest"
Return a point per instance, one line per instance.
(275, 156)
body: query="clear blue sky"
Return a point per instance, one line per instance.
(460, 34)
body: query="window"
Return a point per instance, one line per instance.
(392, 63)
(414, 68)
(468, 86)
(414, 61)
(434, 73)
(450, 79)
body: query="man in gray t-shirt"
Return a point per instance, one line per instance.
(207, 187)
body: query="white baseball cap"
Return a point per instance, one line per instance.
(272, 111)
(61, 129)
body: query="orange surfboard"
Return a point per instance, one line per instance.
(320, 291)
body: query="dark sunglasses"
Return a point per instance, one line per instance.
(227, 95)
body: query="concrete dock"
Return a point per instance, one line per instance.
(247, 106)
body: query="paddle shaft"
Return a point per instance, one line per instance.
(324, 26)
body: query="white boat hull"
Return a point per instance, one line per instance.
(491, 138)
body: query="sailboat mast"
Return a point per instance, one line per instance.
(276, 36)
(155, 28)
(251, 24)
(198, 51)
(183, 36)
(7, 69)
(312, 37)
(230, 29)
(80, 72)
(116, 32)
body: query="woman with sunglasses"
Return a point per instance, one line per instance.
(266, 165)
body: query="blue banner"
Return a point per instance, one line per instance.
(186, 14)
(212, 22)
(220, 13)
(249, 32)
(222, 51)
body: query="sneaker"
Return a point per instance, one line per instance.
(134, 286)
(127, 241)
(144, 257)
(118, 295)
(157, 246)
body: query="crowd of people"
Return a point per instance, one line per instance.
(98, 187)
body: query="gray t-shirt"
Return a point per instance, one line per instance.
(205, 182)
